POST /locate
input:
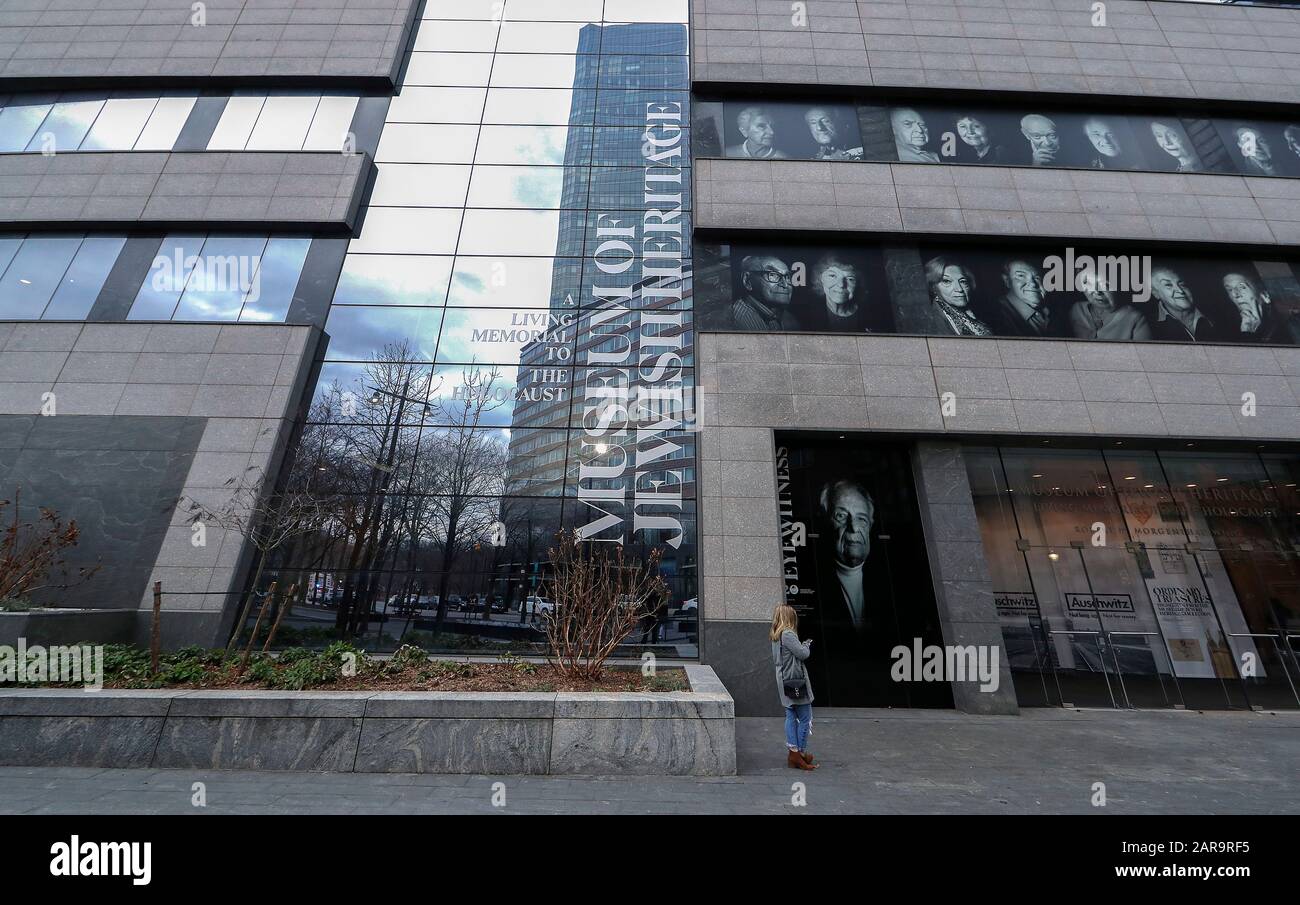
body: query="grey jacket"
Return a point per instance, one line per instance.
(796, 653)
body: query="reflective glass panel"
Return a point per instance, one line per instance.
(225, 272)
(451, 69)
(18, 123)
(497, 232)
(277, 277)
(165, 124)
(437, 105)
(540, 106)
(66, 126)
(669, 37)
(283, 123)
(356, 333)
(555, 10)
(549, 37)
(417, 143)
(163, 285)
(34, 274)
(420, 185)
(8, 248)
(528, 187)
(236, 123)
(330, 127)
(416, 231)
(501, 335)
(523, 282)
(84, 278)
(554, 145)
(643, 72)
(119, 124)
(458, 36)
(393, 280)
(541, 70)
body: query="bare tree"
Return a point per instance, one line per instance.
(465, 465)
(599, 598)
(31, 552)
(262, 516)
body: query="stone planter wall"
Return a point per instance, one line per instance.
(680, 733)
(68, 626)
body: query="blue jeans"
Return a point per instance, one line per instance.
(798, 724)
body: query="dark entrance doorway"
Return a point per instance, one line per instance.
(856, 567)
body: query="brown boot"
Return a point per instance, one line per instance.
(795, 760)
(807, 758)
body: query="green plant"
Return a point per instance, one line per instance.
(15, 605)
(509, 658)
(669, 682)
(407, 655)
(262, 670)
(125, 663)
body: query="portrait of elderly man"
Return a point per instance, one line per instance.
(759, 131)
(1100, 314)
(1024, 309)
(952, 289)
(1291, 135)
(911, 136)
(975, 135)
(833, 138)
(1255, 151)
(1044, 140)
(1177, 316)
(767, 289)
(1106, 151)
(1260, 322)
(837, 281)
(1171, 139)
(848, 514)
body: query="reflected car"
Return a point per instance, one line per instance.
(533, 607)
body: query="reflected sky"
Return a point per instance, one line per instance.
(357, 331)
(393, 280)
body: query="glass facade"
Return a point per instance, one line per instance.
(53, 277)
(510, 343)
(229, 278)
(124, 121)
(1128, 577)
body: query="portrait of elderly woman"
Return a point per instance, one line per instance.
(1170, 138)
(838, 283)
(1101, 315)
(952, 289)
(1258, 321)
(758, 130)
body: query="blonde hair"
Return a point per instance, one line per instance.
(784, 619)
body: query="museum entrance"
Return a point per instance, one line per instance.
(855, 569)
(1143, 579)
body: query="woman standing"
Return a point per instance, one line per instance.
(788, 654)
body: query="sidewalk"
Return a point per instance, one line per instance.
(873, 761)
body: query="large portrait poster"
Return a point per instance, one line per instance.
(855, 567)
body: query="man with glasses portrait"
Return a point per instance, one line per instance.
(767, 283)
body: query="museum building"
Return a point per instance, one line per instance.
(968, 327)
